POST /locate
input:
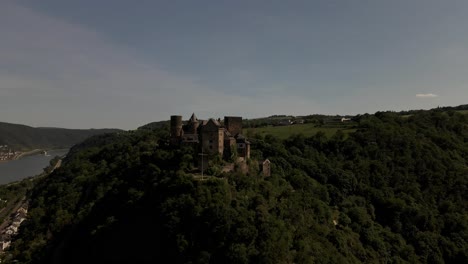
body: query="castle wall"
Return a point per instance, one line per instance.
(191, 128)
(243, 150)
(190, 138)
(212, 139)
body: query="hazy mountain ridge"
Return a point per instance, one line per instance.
(22, 137)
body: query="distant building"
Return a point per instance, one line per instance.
(299, 121)
(286, 122)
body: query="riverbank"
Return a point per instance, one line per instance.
(14, 205)
(28, 153)
(18, 155)
(28, 166)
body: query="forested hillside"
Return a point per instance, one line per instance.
(394, 191)
(21, 137)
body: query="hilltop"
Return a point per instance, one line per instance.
(22, 137)
(284, 126)
(395, 189)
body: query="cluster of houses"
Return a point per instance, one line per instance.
(338, 120)
(288, 122)
(12, 229)
(6, 153)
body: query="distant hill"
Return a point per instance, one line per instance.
(21, 137)
(156, 125)
(455, 108)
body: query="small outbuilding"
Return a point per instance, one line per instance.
(265, 168)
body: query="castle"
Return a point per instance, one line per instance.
(211, 136)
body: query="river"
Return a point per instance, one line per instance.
(27, 166)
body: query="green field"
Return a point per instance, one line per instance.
(307, 130)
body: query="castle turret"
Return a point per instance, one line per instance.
(193, 124)
(176, 126)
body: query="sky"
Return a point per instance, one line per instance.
(123, 64)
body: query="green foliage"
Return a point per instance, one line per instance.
(234, 155)
(394, 191)
(12, 193)
(309, 129)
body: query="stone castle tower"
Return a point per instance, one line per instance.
(211, 135)
(176, 127)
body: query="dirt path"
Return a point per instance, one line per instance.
(57, 165)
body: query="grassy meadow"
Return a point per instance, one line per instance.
(307, 130)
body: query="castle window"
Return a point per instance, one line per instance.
(211, 141)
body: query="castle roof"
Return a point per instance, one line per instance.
(214, 121)
(193, 118)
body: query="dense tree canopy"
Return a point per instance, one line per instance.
(394, 191)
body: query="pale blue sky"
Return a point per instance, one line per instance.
(115, 63)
